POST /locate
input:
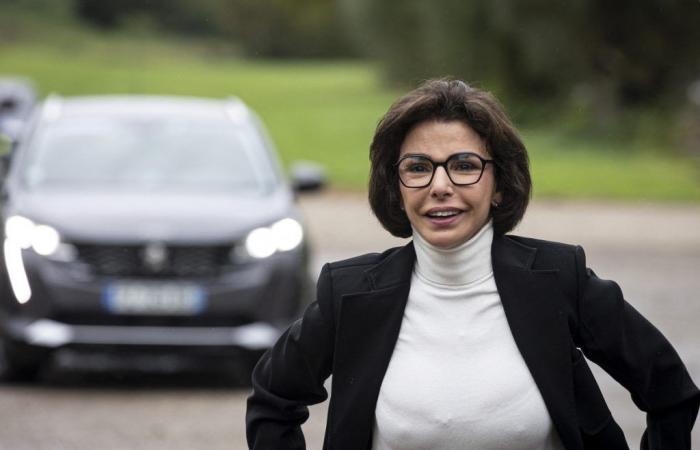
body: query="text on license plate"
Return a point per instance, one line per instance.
(154, 298)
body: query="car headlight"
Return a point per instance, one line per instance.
(25, 234)
(281, 236)
(288, 234)
(19, 230)
(260, 243)
(45, 240)
(22, 234)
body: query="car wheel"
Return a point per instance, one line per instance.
(20, 362)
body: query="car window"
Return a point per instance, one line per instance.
(147, 154)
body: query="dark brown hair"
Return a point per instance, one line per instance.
(448, 100)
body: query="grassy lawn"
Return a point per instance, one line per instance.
(562, 167)
(322, 111)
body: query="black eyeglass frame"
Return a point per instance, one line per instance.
(443, 164)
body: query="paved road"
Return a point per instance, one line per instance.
(653, 251)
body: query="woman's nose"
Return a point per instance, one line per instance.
(441, 185)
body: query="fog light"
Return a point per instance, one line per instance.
(48, 333)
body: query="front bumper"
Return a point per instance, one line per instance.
(247, 308)
(53, 334)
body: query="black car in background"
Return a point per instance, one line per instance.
(150, 224)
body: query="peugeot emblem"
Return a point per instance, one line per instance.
(155, 255)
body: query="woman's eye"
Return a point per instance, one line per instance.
(463, 166)
(418, 167)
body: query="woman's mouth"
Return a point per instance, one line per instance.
(443, 217)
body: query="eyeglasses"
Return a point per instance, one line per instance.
(463, 169)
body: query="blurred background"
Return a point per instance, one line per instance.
(605, 94)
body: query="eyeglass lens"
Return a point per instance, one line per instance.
(417, 171)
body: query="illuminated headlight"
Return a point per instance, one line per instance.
(45, 240)
(288, 234)
(19, 230)
(282, 236)
(260, 243)
(22, 234)
(25, 234)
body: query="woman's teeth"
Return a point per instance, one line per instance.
(443, 213)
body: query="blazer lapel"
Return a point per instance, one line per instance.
(533, 307)
(368, 326)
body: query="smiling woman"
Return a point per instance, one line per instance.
(467, 337)
(444, 212)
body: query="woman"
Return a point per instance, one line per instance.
(466, 338)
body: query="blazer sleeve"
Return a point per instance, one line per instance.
(290, 376)
(618, 338)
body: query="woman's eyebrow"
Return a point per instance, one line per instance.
(459, 152)
(423, 155)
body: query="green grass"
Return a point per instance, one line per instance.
(322, 111)
(566, 167)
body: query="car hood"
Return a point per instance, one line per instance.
(121, 218)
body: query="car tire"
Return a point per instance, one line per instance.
(20, 362)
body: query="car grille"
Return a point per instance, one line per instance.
(120, 260)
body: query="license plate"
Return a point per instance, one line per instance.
(154, 298)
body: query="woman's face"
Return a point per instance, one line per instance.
(444, 214)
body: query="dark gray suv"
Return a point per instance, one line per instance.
(156, 224)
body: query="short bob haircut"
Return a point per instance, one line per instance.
(448, 100)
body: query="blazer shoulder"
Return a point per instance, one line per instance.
(542, 244)
(549, 254)
(362, 262)
(351, 275)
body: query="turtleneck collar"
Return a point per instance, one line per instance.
(457, 266)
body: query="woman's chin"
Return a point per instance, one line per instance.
(445, 239)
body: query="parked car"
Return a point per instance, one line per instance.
(152, 224)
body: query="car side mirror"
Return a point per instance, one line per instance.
(307, 176)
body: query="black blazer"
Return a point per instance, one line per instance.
(556, 309)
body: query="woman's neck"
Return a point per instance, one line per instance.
(457, 266)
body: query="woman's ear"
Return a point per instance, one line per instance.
(392, 196)
(496, 199)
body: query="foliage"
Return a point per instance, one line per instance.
(326, 111)
(601, 63)
(600, 56)
(275, 28)
(284, 28)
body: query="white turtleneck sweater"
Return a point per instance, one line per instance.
(456, 379)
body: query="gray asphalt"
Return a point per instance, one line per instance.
(651, 250)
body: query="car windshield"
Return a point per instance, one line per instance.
(148, 154)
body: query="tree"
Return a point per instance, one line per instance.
(274, 28)
(626, 52)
